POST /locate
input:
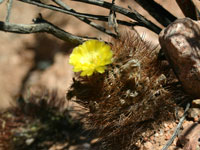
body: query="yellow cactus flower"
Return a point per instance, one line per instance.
(92, 56)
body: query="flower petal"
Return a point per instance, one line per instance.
(91, 56)
(101, 69)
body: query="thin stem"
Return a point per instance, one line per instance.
(77, 14)
(41, 27)
(9, 6)
(96, 26)
(188, 8)
(131, 14)
(163, 16)
(177, 128)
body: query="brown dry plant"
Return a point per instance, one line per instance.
(134, 96)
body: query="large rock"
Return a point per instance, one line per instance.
(180, 42)
(189, 138)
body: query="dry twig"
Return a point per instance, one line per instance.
(131, 14)
(164, 17)
(77, 14)
(42, 26)
(98, 27)
(188, 8)
(45, 26)
(177, 128)
(9, 6)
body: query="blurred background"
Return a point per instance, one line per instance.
(34, 60)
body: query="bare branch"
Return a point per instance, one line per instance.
(77, 14)
(41, 27)
(52, 7)
(131, 14)
(177, 128)
(9, 6)
(188, 8)
(112, 20)
(164, 17)
(96, 26)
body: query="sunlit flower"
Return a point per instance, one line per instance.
(92, 56)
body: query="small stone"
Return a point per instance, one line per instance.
(174, 142)
(166, 129)
(180, 112)
(58, 146)
(165, 125)
(82, 138)
(170, 126)
(174, 123)
(187, 123)
(160, 147)
(122, 101)
(161, 132)
(196, 103)
(148, 146)
(152, 138)
(156, 135)
(73, 147)
(180, 44)
(167, 137)
(145, 139)
(93, 141)
(86, 146)
(30, 141)
(193, 112)
(138, 143)
(196, 119)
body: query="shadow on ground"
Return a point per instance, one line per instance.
(39, 123)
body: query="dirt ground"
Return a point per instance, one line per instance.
(28, 62)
